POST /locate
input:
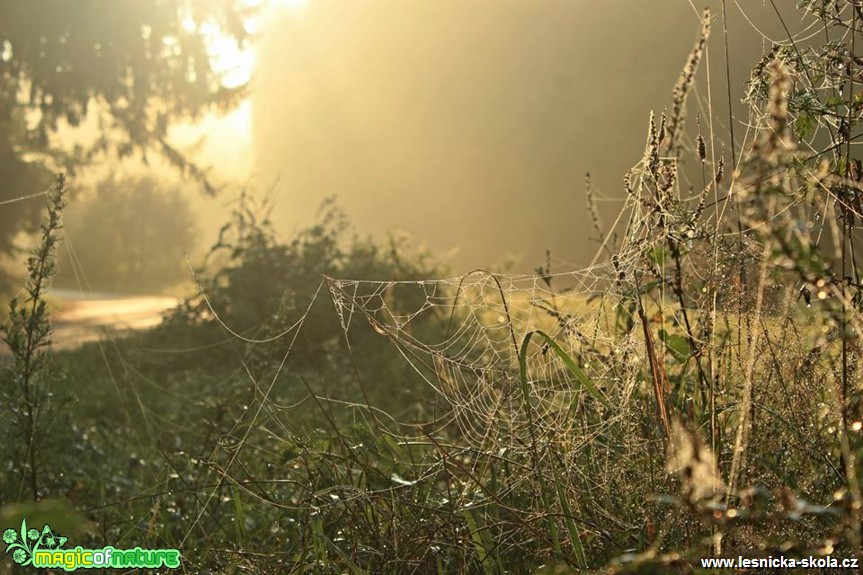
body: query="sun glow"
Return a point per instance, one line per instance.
(234, 61)
(271, 5)
(229, 137)
(294, 5)
(288, 4)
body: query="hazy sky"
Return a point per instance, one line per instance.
(471, 124)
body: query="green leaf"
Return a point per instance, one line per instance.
(804, 126)
(574, 537)
(570, 364)
(482, 541)
(834, 101)
(658, 255)
(354, 568)
(677, 345)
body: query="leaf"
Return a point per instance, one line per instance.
(574, 537)
(393, 447)
(482, 542)
(804, 126)
(24, 533)
(355, 569)
(677, 345)
(833, 101)
(658, 255)
(624, 321)
(570, 364)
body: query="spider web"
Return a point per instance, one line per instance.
(468, 338)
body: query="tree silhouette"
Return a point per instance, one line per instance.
(139, 65)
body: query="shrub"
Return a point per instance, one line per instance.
(258, 286)
(25, 382)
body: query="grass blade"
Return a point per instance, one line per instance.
(570, 364)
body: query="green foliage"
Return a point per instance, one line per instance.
(26, 333)
(576, 371)
(259, 287)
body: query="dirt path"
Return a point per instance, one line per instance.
(80, 318)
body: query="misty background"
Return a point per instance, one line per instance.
(472, 125)
(466, 126)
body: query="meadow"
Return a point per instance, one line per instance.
(329, 404)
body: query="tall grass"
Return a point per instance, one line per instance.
(703, 399)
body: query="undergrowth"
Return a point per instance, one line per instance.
(324, 406)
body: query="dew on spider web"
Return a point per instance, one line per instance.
(464, 337)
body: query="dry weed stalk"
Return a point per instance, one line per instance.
(685, 83)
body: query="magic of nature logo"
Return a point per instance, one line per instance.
(45, 549)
